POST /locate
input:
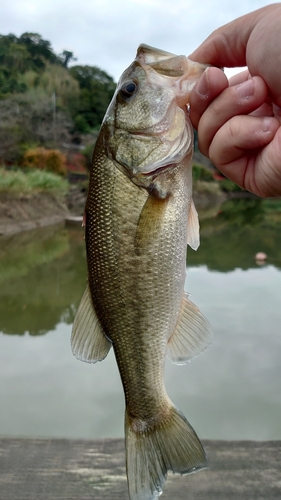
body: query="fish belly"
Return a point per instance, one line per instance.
(136, 274)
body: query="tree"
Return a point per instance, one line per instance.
(39, 49)
(28, 121)
(66, 57)
(29, 52)
(29, 66)
(55, 78)
(97, 89)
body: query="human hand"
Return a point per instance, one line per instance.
(239, 122)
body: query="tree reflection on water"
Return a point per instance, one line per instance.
(42, 278)
(240, 229)
(43, 272)
(230, 392)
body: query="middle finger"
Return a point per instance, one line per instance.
(235, 100)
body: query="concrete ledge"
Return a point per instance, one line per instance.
(61, 469)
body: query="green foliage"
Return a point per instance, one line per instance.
(17, 181)
(44, 159)
(230, 240)
(229, 186)
(45, 253)
(272, 205)
(29, 52)
(40, 50)
(241, 212)
(201, 173)
(54, 81)
(89, 149)
(9, 84)
(96, 91)
(195, 140)
(66, 57)
(28, 254)
(42, 101)
(14, 59)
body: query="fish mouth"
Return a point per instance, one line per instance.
(160, 170)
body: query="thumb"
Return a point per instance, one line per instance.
(226, 46)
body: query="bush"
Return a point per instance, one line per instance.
(229, 186)
(17, 181)
(88, 154)
(45, 159)
(201, 173)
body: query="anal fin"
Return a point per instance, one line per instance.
(88, 340)
(192, 335)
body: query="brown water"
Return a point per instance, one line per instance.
(232, 391)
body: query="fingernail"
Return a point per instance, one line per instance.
(246, 89)
(203, 84)
(268, 123)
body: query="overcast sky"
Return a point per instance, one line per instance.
(106, 33)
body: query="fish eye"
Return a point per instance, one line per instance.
(128, 89)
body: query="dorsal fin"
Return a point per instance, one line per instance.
(192, 335)
(88, 340)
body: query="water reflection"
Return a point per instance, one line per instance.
(230, 392)
(43, 272)
(42, 277)
(240, 229)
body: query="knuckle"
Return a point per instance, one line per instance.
(232, 129)
(203, 140)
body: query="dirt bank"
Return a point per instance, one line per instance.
(21, 213)
(24, 212)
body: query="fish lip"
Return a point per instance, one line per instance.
(159, 170)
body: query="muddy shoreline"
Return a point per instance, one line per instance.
(25, 212)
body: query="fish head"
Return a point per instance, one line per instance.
(148, 129)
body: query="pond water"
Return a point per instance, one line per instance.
(232, 391)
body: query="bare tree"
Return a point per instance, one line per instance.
(26, 120)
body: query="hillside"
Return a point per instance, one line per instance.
(43, 101)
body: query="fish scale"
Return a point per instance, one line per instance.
(139, 217)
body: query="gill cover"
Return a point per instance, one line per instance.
(147, 122)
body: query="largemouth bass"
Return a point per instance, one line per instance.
(139, 218)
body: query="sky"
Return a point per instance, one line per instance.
(106, 33)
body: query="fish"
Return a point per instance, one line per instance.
(139, 218)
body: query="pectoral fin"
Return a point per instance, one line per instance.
(149, 222)
(192, 335)
(193, 237)
(88, 340)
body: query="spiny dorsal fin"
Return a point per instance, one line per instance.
(192, 335)
(193, 238)
(88, 340)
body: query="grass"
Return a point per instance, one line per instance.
(272, 205)
(17, 181)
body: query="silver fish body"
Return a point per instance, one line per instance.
(139, 218)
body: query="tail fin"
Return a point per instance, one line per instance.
(171, 445)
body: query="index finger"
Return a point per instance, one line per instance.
(210, 85)
(239, 77)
